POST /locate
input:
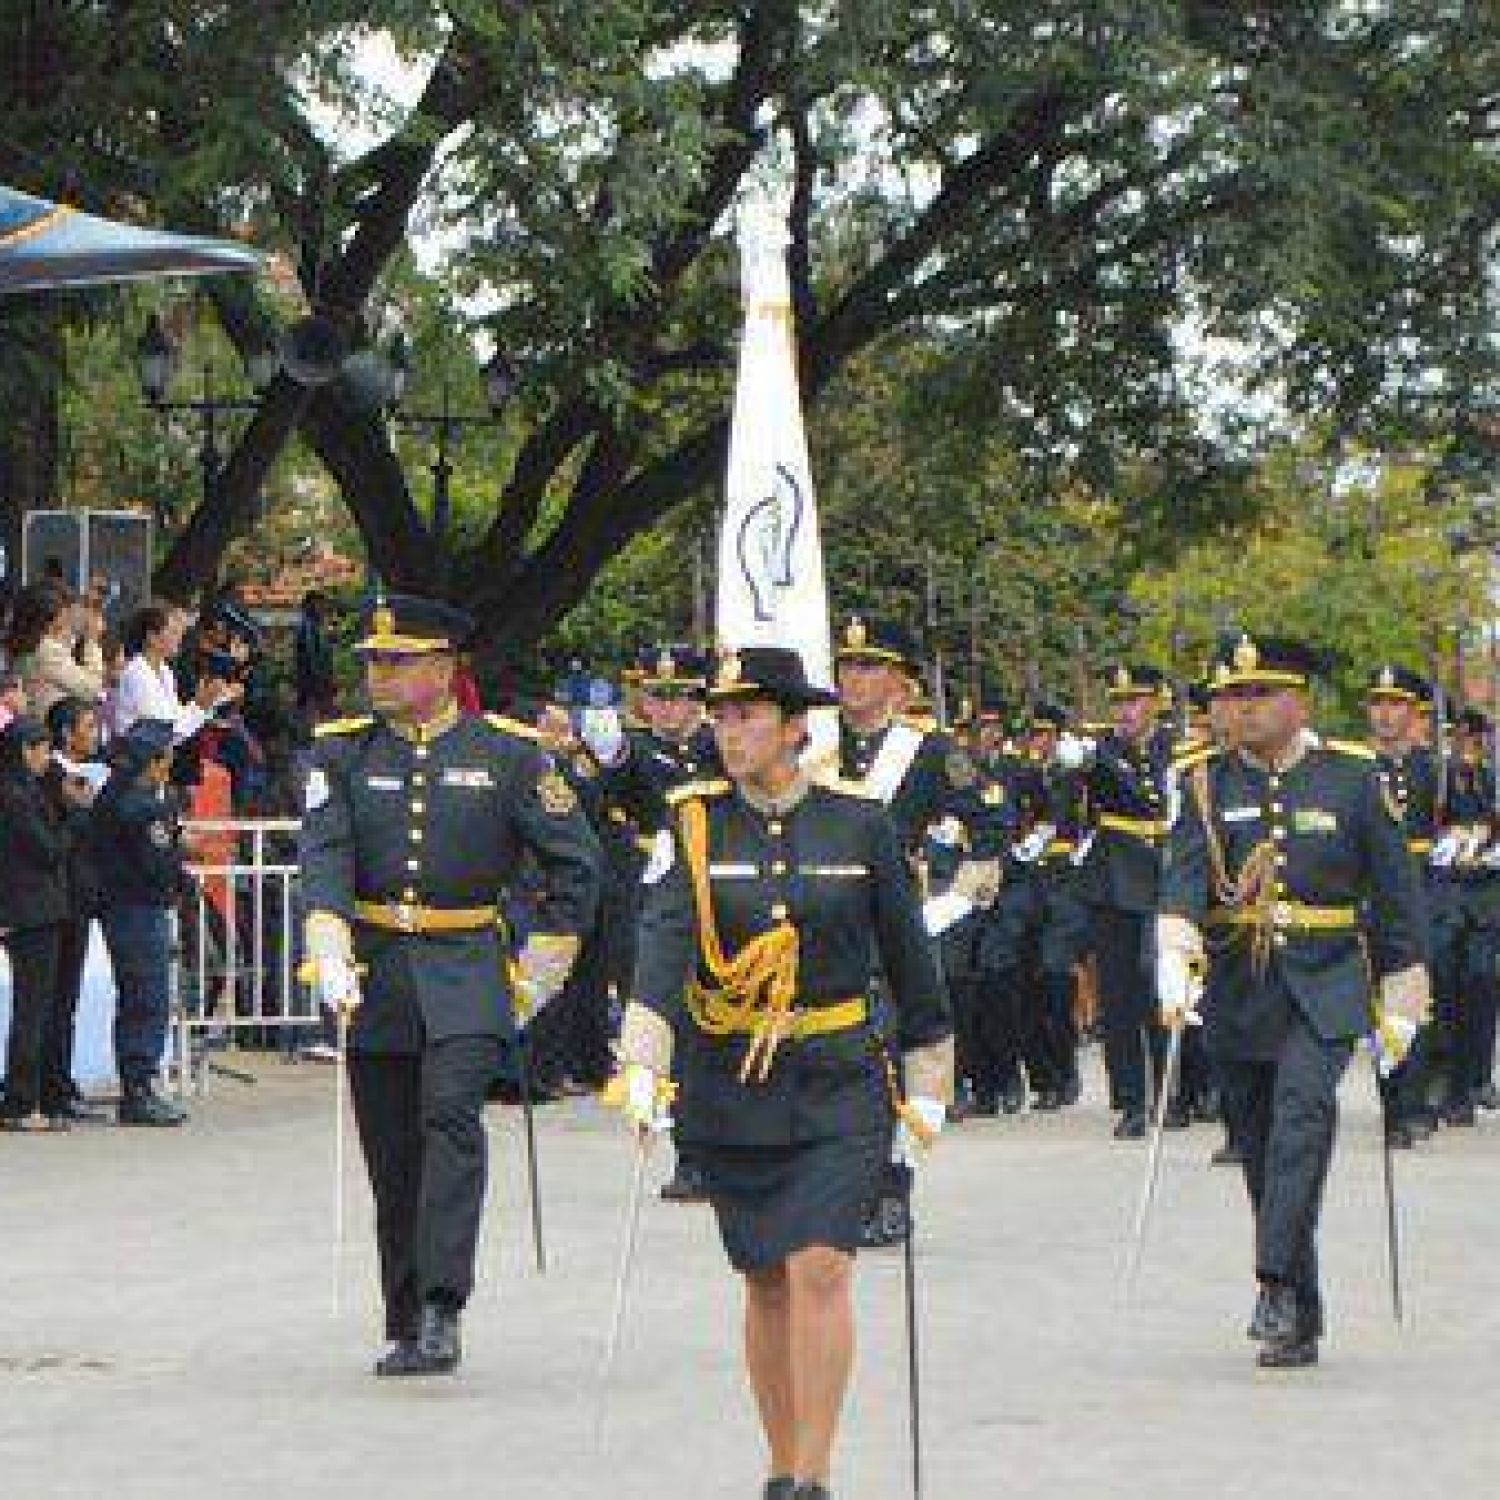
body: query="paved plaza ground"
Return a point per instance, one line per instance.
(168, 1327)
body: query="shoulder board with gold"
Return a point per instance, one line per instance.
(925, 723)
(842, 787)
(1350, 747)
(1195, 755)
(691, 789)
(513, 726)
(342, 726)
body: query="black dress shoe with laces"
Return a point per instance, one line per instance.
(404, 1357)
(145, 1106)
(1132, 1126)
(812, 1492)
(780, 1489)
(438, 1341)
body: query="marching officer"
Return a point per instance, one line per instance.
(1287, 874)
(766, 902)
(922, 776)
(639, 769)
(415, 819)
(1396, 704)
(1125, 773)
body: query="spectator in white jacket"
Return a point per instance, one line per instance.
(147, 688)
(54, 640)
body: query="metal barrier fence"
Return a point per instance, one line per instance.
(237, 947)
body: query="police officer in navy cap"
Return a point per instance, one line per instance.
(1288, 879)
(1125, 776)
(640, 768)
(416, 818)
(136, 843)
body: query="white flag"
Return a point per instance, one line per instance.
(771, 588)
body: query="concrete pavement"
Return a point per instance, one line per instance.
(167, 1326)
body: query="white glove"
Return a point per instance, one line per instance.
(1081, 850)
(918, 1128)
(600, 729)
(542, 969)
(1390, 1042)
(1034, 845)
(1179, 983)
(1446, 850)
(939, 913)
(330, 965)
(642, 1100)
(947, 831)
(1073, 751)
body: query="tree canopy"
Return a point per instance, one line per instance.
(1082, 214)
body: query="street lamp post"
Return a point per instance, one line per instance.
(156, 363)
(447, 428)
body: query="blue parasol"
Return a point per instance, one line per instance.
(45, 246)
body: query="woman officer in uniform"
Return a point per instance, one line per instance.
(765, 899)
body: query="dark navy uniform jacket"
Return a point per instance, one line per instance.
(940, 780)
(832, 865)
(1128, 798)
(135, 842)
(651, 768)
(439, 822)
(1338, 845)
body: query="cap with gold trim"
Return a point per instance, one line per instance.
(774, 674)
(1398, 683)
(407, 625)
(675, 668)
(1137, 682)
(863, 639)
(1270, 661)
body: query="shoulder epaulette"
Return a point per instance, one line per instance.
(342, 726)
(1197, 755)
(512, 726)
(1351, 747)
(845, 788)
(690, 789)
(923, 723)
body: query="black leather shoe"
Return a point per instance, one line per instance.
(1288, 1354)
(812, 1492)
(1013, 1099)
(1421, 1125)
(1227, 1155)
(78, 1112)
(1072, 1092)
(1399, 1137)
(985, 1106)
(780, 1489)
(1459, 1112)
(1178, 1116)
(438, 1341)
(1132, 1126)
(686, 1185)
(1488, 1097)
(887, 1223)
(404, 1357)
(146, 1107)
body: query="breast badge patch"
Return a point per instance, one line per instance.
(555, 795)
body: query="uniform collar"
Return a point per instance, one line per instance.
(1306, 740)
(422, 734)
(777, 807)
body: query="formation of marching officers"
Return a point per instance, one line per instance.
(825, 942)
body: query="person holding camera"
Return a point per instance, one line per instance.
(136, 841)
(148, 689)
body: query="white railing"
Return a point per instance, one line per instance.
(238, 945)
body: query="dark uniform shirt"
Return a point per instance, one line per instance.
(135, 843)
(939, 780)
(636, 789)
(438, 823)
(1127, 785)
(831, 865)
(1338, 848)
(34, 848)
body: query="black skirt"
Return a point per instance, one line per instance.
(774, 1200)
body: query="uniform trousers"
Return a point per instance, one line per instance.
(1127, 1004)
(140, 952)
(421, 1128)
(33, 967)
(1283, 1113)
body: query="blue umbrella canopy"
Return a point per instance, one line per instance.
(45, 246)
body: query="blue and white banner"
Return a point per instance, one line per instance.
(771, 586)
